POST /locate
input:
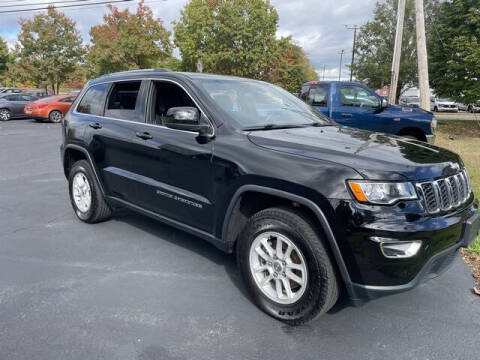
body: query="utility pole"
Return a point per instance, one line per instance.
(323, 72)
(397, 52)
(354, 28)
(423, 81)
(340, 69)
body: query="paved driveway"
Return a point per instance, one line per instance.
(132, 288)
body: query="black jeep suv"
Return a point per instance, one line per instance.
(309, 207)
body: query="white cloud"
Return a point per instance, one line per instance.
(317, 25)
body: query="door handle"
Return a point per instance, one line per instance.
(95, 125)
(144, 135)
(346, 115)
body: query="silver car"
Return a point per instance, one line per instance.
(12, 105)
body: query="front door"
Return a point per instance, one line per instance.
(357, 107)
(174, 169)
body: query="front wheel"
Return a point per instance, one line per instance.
(5, 114)
(286, 266)
(85, 194)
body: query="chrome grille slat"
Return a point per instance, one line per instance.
(446, 193)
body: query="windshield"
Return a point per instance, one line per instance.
(413, 100)
(256, 104)
(444, 100)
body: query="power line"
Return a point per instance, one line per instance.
(64, 6)
(44, 3)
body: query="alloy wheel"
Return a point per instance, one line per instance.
(56, 116)
(4, 114)
(82, 193)
(278, 267)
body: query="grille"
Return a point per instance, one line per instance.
(447, 193)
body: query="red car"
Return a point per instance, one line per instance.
(52, 108)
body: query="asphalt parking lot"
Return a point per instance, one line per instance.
(133, 288)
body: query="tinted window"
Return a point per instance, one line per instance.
(123, 101)
(93, 101)
(318, 95)
(13, 98)
(356, 96)
(67, 100)
(28, 98)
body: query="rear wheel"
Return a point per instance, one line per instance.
(5, 115)
(85, 194)
(286, 267)
(55, 116)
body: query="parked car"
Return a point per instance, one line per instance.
(309, 207)
(410, 101)
(443, 105)
(52, 108)
(474, 108)
(10, 91)
(40, 93)
(354, 105)
(12, 105)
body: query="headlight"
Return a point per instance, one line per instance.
(382, 193)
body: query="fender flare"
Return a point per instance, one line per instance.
(89, 159)
(309, 204)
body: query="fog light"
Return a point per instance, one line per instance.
(394, 249)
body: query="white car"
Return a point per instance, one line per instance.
(443, 105)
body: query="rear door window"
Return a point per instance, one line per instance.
(318, 95)
(93, 102)
(123, 102)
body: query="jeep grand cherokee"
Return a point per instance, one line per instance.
(309, 207)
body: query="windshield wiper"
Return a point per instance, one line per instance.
(273, 126)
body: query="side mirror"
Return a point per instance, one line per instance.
(384, 104)
(187, 119)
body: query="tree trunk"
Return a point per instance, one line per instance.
(58, 87)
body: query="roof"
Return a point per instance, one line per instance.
(163, 72)
(332, 82)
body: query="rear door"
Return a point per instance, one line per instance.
(16, 105)
(317, 96)
(112, 133)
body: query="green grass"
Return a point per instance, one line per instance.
(463, 137)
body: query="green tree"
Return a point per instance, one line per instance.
(128, 41)
(4, 59)
(235, 37)
(455, 51)
(375, 43)
(292, 67)
(49, 48)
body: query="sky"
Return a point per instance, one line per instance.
(317, 25)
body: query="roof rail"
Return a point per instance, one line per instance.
(135, 71)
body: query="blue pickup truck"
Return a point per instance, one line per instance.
(352, 104)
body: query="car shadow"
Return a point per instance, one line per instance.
(185, 240)
(201, 247)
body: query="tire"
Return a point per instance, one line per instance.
(97, 209)
(5, 115)
(321, 290)
(55, 116)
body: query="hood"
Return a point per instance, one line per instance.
(373, 155)
(406, 111)
(443, 102)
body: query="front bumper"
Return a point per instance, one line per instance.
(373, 275)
